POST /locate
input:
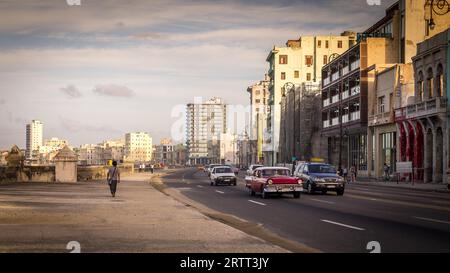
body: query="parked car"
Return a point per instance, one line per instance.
(320, 177)
(274, 180)
(223, 175)
(252, 168)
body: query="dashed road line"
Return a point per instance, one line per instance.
(342, 225)
(221, 192)
(258, 203)
(199, 186)
(432, 220)
(322, 201)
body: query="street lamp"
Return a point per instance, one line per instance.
(438, 7)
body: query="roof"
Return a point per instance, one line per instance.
(273, 168)
(66, 154)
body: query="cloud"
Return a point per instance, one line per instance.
(71, 91)
(113, 90)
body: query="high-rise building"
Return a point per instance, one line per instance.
(300, 61)
(206, 121)
(138, 147)
(34, 139)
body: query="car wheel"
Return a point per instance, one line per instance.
(235, 184)
(310, 189)
(212, 183)
(264, 195)
(340, 192)
(296, 195)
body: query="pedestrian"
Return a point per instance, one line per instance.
(353, 174)
(345, 173)
(113, 178)
(386, 172)
(152, 168)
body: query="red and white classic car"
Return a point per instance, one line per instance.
(273, 180)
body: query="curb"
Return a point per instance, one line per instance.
(375, 184)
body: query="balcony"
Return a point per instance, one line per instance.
(335, 121)
(355, 90)
(345, 95)
(326, 123)
(335, 76)
(433, 106)
(381, 118)
(354, 116)
(335, 98)
(354, 65)
(400, 114)
(345, 70)
(326, 81)
(326, 102)
(345, 119)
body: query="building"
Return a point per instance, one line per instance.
(179, 155)
(259, 98)
(423, 125)
(300, 124)
(3, 156)
(393, 86)
(300, 61)
(163, 153)
(90, 154)
(138, 147)
(34, 139)
(112, 150)
(228, 148)
(50, 148)
(206, 121)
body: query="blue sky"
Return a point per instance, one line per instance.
(99, 70)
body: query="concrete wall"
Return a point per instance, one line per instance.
(66, 171)
(27, 174)
(97, 173)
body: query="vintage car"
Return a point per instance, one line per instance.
(252, 168)
(274, 180)
(320, 177)
(223, 175)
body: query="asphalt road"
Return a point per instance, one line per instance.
(400, 220)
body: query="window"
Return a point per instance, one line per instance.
(257, 92)
(283, 75)
(309, 60)
(339, 44)
(325, 59)
(381, 104)
(308, 76)
(327, 44)
(296, 74)
(283, 59)
(258, 101)
(319, 44)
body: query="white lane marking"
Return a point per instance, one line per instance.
(258, 203)
(432, 220)
(199, 186)
(221, 192)
(322, 201)
(342, 225)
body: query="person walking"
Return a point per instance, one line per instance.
(113, 178)
(353, 174)
(345, 173)
(386, 172)
(152, 168)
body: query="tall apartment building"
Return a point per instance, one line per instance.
(206, 121)
(259, 99)
(300, 61)
(138, 147)
(34, 139)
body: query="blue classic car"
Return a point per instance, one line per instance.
(320, 177)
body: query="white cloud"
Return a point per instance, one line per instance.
(113, 90)
(71, 91)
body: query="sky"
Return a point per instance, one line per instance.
(104, 68)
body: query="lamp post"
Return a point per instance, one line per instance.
(438, 7)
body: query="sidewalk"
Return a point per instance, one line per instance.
(419, 186)
(41, 217)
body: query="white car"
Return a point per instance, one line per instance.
(252, 169)
(211, 167)
(223, 175)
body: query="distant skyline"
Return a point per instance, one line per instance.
(97, 71)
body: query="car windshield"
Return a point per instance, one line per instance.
(275, 172)
(256, 166)
(321, 169)
(223, 170)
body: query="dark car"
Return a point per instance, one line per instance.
(320, 177)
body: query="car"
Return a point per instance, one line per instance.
(274, 180)
(235, 169)
(223, 175)
(211, 167)
(320, 177)
(252, 168)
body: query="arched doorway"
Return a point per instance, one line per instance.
(429, 157)
(439, 168)
(418, 149)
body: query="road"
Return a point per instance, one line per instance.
(400, 220)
